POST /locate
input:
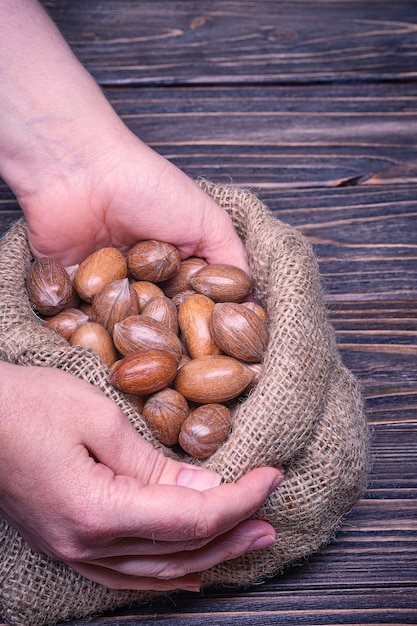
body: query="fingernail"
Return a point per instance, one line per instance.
(262, 542)
(276, 482)
(198, 479)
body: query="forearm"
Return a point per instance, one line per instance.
(45, 123)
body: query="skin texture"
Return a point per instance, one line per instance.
(103, 500)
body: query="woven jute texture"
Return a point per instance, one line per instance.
(306, 414)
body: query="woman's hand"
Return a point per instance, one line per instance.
(82, 486)
(125, 194)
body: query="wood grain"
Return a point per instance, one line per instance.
(324, 607)
(313, 107)
(241, 41)
(279, 137)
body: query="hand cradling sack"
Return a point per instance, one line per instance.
(306, 414)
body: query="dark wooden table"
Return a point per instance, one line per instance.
(312, 105)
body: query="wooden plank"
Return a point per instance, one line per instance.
(365, 240)
(278, 137)
(356, 606)
(149, 42)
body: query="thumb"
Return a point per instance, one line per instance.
(126, 453)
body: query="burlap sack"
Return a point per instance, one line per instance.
(306, 414)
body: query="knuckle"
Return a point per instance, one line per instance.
(66, 549)
(195, 544)
(205, 526)
(81, 541)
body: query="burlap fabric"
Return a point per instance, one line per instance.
(306, 414)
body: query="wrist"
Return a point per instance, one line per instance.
(55, 138)
(56, 149)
